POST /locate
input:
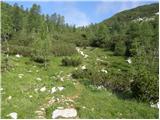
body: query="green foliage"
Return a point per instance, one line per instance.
(116, 81)
(38, 58)
(14, 49)
(6, 21)
(145, 86)
(120, 48)
(63, 49)
(71, 61)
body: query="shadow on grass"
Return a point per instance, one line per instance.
(124, 95)
(127, 95)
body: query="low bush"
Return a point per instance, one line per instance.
(104, 63)
(69, 61)
(145, 86)
(38, 58)
(116, 81)
(120, 49)
(14, 49)
(64, 49)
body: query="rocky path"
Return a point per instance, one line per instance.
(68, 112)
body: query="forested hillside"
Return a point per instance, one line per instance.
(133, 33)
(104, 70)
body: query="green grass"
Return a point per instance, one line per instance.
(104, 103)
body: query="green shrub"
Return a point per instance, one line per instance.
(69, 61)
(104, 63)
(14, 49)
(120, 49)
(64, 49)
(38, 58)
(116, 81)
(145, 86)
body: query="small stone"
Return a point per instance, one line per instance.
(60, 88)
(42, 109)
(155, 105)
(53, 90)
(57, 99)
(1, 89)
(69, 75)
(9, 98)
(61, 79)
(36, 89)
(84, 107)
(83, 67)
(13, 115)
(43, 89)
(20, 77)
(60, 108)
(76, 68)
(18, 56)
(129, 60)
(39, 79)
(100, 87)
(85, 56)
(39, 112)
(105, 71)
(30, 96)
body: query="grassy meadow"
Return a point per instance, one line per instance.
(89, 101)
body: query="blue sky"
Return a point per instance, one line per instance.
(81, 12)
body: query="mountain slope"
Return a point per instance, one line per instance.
(132, 14)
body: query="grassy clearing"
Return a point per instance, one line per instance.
(90, 103)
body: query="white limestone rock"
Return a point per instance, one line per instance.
(18, 56)
(39, 79)
(43, 89)
(36, 89)
(154, 105)
(62, 79)
(9, 98)
(157, 13)
(105, 71)
(85, 56)
(83, 67)
(13, 115)
(1, 89)
(60, 88)
(129, 60)
(53, 90)
(30, 96)
(84, 107)
(64, 113)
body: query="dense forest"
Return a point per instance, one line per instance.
(130, 34)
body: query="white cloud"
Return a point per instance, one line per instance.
(72, 14)
(77, 17)
(111, 7)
